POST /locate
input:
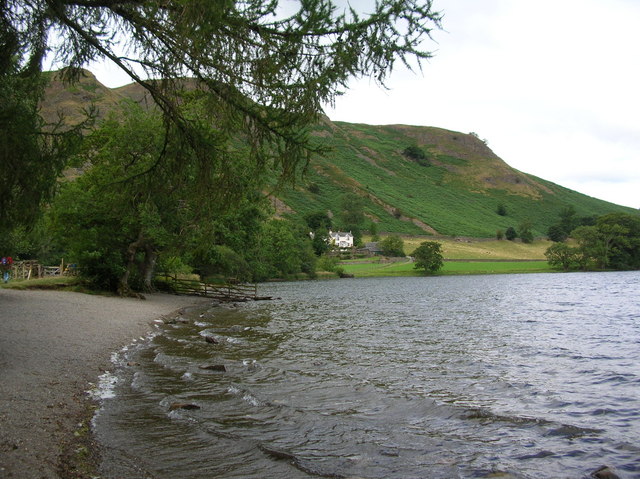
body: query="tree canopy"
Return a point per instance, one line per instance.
(266, 66)
(428, 256)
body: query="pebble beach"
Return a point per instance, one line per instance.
(53, 347)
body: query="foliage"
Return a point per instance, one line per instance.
(321, 242)
(612, 243)
(510, 233)
(127, 209)
(416, 154)
(318, 220)
(428, 256)
(352, 211)
(557, 233)
(32, 154)
(392, 245)
(265, 72)
(283, 250)
(501, 209)
(525, 233)
(567, 222)
(563, 256)
(328, 263)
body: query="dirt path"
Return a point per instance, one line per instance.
(52, 346)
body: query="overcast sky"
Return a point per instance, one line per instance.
(552, 85)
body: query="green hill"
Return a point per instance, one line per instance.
(447, 183)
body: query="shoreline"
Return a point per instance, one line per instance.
(53, 347)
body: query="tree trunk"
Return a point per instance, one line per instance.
(149, 268)
(123, 287)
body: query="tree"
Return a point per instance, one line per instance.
(624, 230)
(373, 231)
(282, 251)
(352, 211)
(525, 233)
(557, 233)
(318, 220)
(265, 72)
(563, 256)
(126, 210)
(32, 154)
(428, 256)
(511, 233)
(392, 245)
(501, 209)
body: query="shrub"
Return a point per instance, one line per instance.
(416, 154)
(392, 245)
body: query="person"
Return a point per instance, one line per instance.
(6, 267)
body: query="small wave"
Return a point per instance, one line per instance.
(105, 389)
(245, 396)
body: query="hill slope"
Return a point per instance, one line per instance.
(454, 190)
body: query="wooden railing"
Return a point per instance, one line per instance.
(220, 291)
(33, 269)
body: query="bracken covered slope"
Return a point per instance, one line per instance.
(454, 190)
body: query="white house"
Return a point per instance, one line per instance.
(341, 239)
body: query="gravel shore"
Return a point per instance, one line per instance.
(53, 345)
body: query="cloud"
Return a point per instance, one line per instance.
(551, 85)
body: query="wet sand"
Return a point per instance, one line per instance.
(53, 347)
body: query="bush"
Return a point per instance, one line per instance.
(416, 154)
(392, 245)
(327, 263)
(511, 234)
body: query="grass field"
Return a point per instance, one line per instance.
(462, 256)
(475, 249)
(361, 270)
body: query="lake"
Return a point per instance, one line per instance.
(512, 376)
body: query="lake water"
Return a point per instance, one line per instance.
(512, 376)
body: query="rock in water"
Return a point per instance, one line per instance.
(183, 405)
(604, 472)
(213, 367)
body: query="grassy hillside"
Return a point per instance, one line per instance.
(456, 194)
(455, 190)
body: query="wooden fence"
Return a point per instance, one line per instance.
(218, 291)
(33, 270)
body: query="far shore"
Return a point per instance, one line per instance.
(53, 347)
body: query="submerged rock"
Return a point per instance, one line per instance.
(213, 367)
(183, 405)
(604, 472)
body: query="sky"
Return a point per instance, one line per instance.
(551, 85)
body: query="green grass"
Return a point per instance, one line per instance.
(457, 196)
(361, 270)
(64, 283)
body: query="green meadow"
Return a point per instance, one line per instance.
(405, 268)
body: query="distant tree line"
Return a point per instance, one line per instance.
(608, 242)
